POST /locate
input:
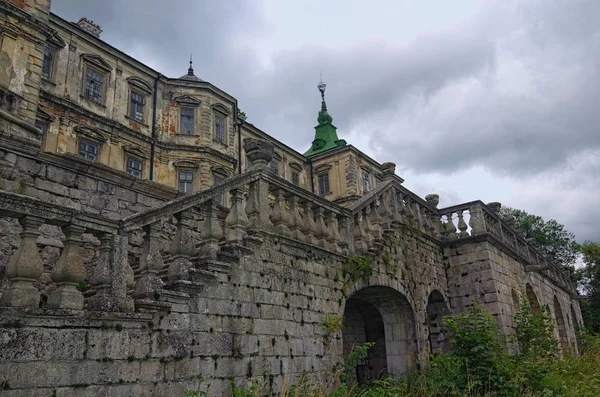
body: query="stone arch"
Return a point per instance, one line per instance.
(437, 309)
(516, 301)
(574, 320)
(560, 325)
(384, 316)
(536, 308)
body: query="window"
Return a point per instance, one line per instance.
(366, 182)
(43, 126)
(137, 104)
(93, 87)
(88, 150)
(186, 121)
(134, 167)
(219, 128)
(218, 179)
(186, 178)
(48, 63)
(295, 178)
(323, 184)
(248, 163)
(275, 167)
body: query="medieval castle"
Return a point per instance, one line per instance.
(149, 235)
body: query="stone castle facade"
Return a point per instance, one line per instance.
(150, 235)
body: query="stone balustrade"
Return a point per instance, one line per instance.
(163, 255)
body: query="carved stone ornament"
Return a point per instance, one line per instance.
(495, 207)
(258, 151)
(433, 199)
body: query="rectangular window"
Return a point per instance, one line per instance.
(43, 126)
(88, 150)
(134, 167)
(186, 179)
(323, 184)
(137, 105)
(48, 63)
(94, 85)
(219, 128)
(295, 178)
(275, 167)
(248, 163)
(218, 179)
(186, 121)
(366, 182)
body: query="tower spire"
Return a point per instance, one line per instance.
(190, 69)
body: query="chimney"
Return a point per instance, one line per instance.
(89, 26)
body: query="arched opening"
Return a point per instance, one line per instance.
(381, 315)
(560, 323)
(533, 300)
(437, 309)
(516, 301)
(576, 324)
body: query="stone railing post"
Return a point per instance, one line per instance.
(309, 226)
(257, 207)
(450, 229)
(476, 220)
(211, 231)
(68, 272)
(462, 225)
(358, 233)
(25, 267)
(151, 262)
(101, 277)
(236, 220)
(333, 239)
(375, 219)
(384, 211)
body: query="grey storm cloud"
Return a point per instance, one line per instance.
(513, 89)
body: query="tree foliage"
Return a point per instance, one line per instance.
(589, 280)
(551, 237)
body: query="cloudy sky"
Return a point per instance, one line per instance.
(491, 100)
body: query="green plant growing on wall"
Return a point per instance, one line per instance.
(21, 186)
(199, 392)
(358, 267)
(348, 367)
(332, 324)
(387, 262)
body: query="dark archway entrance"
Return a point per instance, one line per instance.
(437, 309)
(381, 315)
(533, 300)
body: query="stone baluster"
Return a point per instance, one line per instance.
(151, 262)
(257, 207)
(450, 229)
(428, 228)
(211, 231)
(279, 217)
(68, 272)
(295, 220)
(376, 221)
(385, 213)
(346, 239)
(421, 221)
(401, 206)
(182, 247)
(462, 225)
(333, 232)
(321, 232)
(360, 243)
(476, 220)
(309, 226)
(236, 220)
(410, 215)
(25, 267)
(112, 276)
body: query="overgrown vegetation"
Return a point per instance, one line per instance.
(358, 267)
(332, 324)
(481, 363)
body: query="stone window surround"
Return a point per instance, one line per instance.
(186, 101)
(54, 45)
(319, 171)
(140, 87)
(295, 168)
(45, 118)
(90, 135)
(222, 111)
(100, 66)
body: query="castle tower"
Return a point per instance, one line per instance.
(325, 132)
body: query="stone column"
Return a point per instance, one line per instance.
(101, 277)
(68, 272)
(294, 219)
(182, 247)
(25, 267)
(211, 231)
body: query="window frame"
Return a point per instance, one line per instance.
(216, 137)
(144, 97)
(295, 177)
(366, 182)
(193, 117)
(218, 179)
(185, 181)
(138, 160)
(274, 166)
(53, 51)
(322, 191)
(104, 76)
(88, 142)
